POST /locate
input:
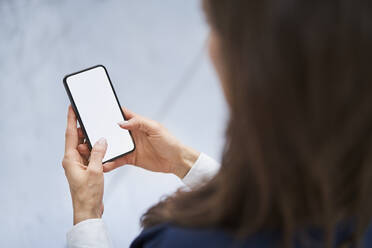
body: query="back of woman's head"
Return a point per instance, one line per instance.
(299, 141)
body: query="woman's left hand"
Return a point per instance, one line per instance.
(85, 179)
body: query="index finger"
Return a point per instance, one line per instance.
(71, 131)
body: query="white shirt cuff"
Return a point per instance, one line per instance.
(88, 233)
(202, 171)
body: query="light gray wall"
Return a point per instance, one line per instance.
(156, 56)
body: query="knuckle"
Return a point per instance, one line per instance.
(157, 125)
(65, 162)
(140, 125)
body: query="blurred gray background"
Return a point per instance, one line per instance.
(155, 52)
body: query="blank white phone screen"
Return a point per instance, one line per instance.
(99, 111)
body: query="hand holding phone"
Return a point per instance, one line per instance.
(85, 178)
(156, 148)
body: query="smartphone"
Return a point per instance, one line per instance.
(98, 110)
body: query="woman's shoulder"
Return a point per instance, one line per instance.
(167, 235)
(172, 236)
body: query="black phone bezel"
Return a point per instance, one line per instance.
(74, 107)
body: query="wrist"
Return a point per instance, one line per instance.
(188, 157)
(81, 214)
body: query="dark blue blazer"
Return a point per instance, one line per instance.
(166, 236)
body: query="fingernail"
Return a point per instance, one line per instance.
(122, 123)
(102, 141)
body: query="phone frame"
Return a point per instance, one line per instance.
(74, 107)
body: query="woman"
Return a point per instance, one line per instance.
(296, 168)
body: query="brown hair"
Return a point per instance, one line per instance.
(298, 148)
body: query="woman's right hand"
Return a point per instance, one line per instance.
(156, 149)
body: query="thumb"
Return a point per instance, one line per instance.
(97, 154)
(141, 124)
